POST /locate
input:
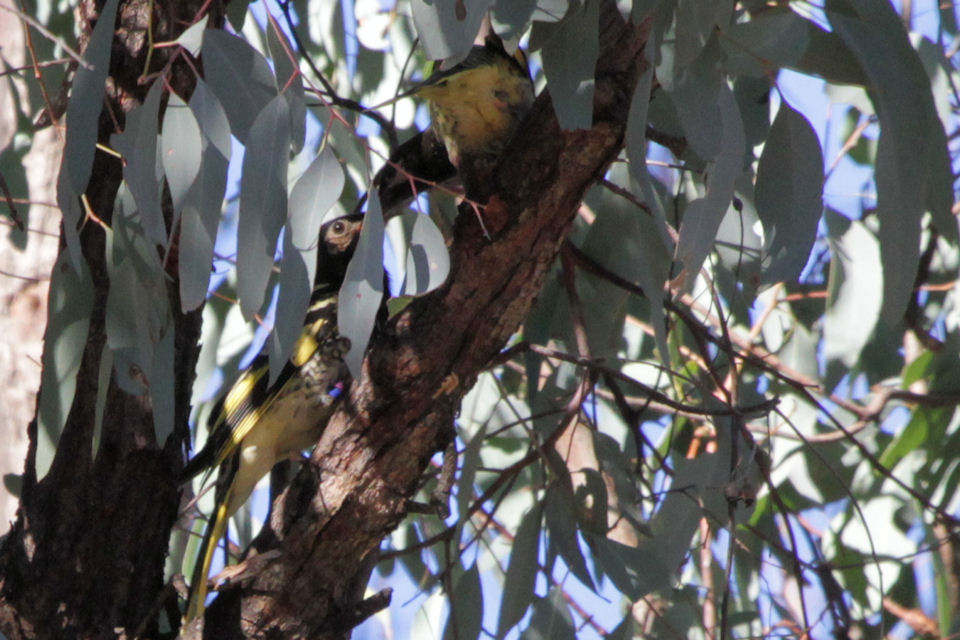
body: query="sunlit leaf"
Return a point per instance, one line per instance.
(180, 148)
(362, 290)
(192, 37)
(263, 202)
(855, 295)
(68, 317)
(428, 261)
(444, 33)
(312, 196)
(239, 76)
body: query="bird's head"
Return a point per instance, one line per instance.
(338, 240)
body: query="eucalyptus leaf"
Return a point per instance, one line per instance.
(428, 261)
(696, 90)
(854, 295)
(703, 216)
(263, 202)
(362, 290)
(641, 9)
(909, 125)
(311, 197)
(521, 577)
(86, 100)
(510, 18)
(68, 201)
(561, 520)
(551, 619)
(289, 81)
(789, 193)
(240, 78)
(211, 117)
(655, 259)
(696, 22)
(569, 62)
(192, 37)
(198, 226)
(768, 41)
(181, 149)
(68, 318)
(830, 58)
(138, 144)
(635, 138)
(628, 629)
(293, 299)
(237, 13)
(444, 31)
(634, 571)
(465, 621)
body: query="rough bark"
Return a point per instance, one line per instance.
(85, 556)
(400, 411)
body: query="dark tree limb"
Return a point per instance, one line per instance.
(375, 449)
(85, 557)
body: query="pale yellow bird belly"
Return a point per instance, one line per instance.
(476, 111)
(293, 422)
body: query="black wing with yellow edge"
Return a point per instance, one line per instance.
(250, 399)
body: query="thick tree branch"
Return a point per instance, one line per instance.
(86, 554)
(398, 413)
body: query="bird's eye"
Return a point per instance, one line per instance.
(339, 227)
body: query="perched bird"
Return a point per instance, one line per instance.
(255, 425)
(476, 105)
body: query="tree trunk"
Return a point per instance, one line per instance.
(85, 556)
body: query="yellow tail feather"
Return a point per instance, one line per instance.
(213, 535)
